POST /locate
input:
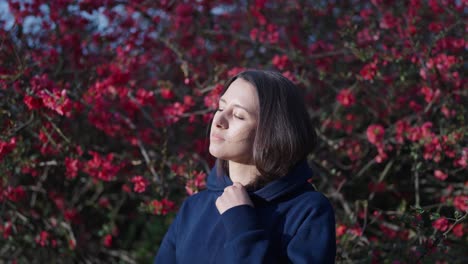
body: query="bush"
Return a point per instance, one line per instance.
(105, 107)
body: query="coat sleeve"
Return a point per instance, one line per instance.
(247, 242)
(315, 240)
(167, 249)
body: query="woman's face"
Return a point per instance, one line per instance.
(234, 124)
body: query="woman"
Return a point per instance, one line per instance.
(258, 206)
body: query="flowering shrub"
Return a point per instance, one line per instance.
(105, 107)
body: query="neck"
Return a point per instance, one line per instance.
(242, 173)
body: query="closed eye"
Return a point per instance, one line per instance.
(236, 116)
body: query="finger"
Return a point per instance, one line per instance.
(218, 202)
(237, 184)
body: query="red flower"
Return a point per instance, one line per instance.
(6, 229)
(104, 202)
(140, 184)
(15, 194)
(42, 238)
(234, 71)
(162, 207)
(280, 62)
(101, 167)
(461, 202)
(375, 134)
(377, 187)
(388, 21)
(388, 232)
(340, 230)
(126, 188)
(211, 100)
(356, 230)
(72, 215)
(7, 147)
(429, 94)
(167, 93)
(368, 71)
(72, 244)
(107, 240)
(441, 224)
(402, 127)
(346, 98)
(196, 183)
(458, 230)
(440, 175)
(32, 103)
(71, 166)
(57, 100)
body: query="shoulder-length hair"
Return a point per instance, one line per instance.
(284, 134)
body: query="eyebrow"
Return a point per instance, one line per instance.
(237, 105)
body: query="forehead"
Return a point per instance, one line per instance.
(242, 92)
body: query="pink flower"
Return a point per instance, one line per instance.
(458, 230)
(461, 202)
(375, 134)
(57, 100)
(107, 240)
(211, 100)
(368, 71)
(101, 167)
(340, 230)
(196, 183)
(167, 93)
(280, 62)
(441, 224)
(429, 94)
(402, 127)
(32, 103)
(388, 21)
(346, 98)
(42, 238)
(71, 166)
(7, 147)
(6, 229)
(15, 194)
(140, 184)
(162, 207)
(440, 175)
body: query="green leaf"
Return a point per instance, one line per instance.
(435, 216)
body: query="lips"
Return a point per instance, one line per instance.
(216, 136)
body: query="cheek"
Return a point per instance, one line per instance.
(246, 134)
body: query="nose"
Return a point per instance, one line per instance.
(220, 121)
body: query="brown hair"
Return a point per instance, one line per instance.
(284, 134)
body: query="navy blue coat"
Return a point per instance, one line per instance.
(291, 223)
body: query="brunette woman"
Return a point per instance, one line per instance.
(259, 206)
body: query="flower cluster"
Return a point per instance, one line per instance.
(105, 105)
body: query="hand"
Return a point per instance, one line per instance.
(232, 196)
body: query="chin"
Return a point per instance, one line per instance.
(213, 152)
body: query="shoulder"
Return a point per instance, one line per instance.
(313, 201)
(196, 199)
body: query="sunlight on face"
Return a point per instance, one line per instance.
(234, 124)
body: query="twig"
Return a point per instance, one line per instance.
(39, 186)
(459, 220)
(120, 255)
(416, 190)
(148, 162)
